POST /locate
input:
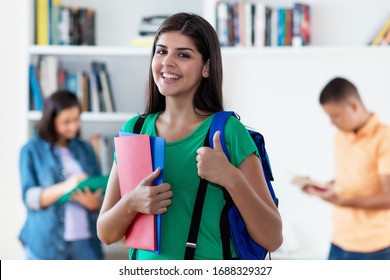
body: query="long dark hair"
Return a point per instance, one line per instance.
(58, 101)
(208, 96)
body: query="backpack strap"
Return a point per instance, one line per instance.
(137, 129)
(218, 124)
(196, 214)
(139, 124)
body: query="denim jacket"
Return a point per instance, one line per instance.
(41, 167)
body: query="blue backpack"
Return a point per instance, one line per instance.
(232, 226)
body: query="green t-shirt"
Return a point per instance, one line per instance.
(181, 172)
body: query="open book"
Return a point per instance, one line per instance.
(304, 182)
(93, 183)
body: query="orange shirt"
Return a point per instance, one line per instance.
(360, 159)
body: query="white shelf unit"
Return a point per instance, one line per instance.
(89, 51)
(116, 24)
(274, 89)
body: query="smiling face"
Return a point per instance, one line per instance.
(67, 123)
(177, 65)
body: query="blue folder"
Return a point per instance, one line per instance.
(157, 145)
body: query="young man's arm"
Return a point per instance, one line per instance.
(380, 200)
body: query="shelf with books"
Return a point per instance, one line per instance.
(330, 23)
(103, 83)
(90, 116)
(318, 50)
(256, 23)
(88, 51)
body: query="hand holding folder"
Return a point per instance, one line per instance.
(137, 157)
(93, 183)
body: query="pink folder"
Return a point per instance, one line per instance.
(134, 160)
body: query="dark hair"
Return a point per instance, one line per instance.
(338, 90)
(208, 96)
(58, 101)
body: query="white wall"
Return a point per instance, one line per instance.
(12, 66)
(277, 93)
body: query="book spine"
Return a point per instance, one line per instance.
(281, 26)
(274, 27)
(305, 24)
(381, 34)
(35, 88)
(260, 22)
(241, 22)
(94, 93)
(268, 24)
(54, 16)
(64, 26)
(222, 23)
(247, 24)
(288, 27)
(236, 25)
(51, 22)
(297, 39)
(71, 82)
(42, 8)
(48, 75)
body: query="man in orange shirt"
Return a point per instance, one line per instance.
(361, 189)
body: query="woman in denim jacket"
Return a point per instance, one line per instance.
(52, 164)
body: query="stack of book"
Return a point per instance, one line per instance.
(60, 25)
(93, 88)
(147, 30)
(256, 24)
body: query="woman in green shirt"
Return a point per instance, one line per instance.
(185, 90)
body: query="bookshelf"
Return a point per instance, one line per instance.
(89, 51)
(116, 23)
(127, 66)
(252, 87)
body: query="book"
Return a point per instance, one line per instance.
(106, 89)
(86, 22)
(63, 26)
(35, 89)
(142, 41)
(42, 22)
(48, 67)
(260, 24)
(103, 86)
(301, 24)
(303, 182)
(134, 155)
(281, 31)
(150, 24)
(380, 35)
(93, 183)
(222, 24)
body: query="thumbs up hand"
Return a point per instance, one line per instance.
(213, 164)
(217, 141)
